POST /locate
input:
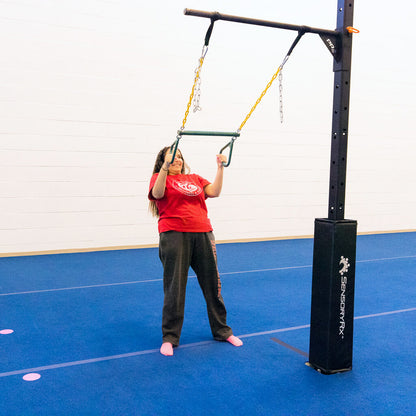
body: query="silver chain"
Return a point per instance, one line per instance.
(197, 95)
(197, 91)
(281, 94)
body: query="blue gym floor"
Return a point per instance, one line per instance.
(89, 325)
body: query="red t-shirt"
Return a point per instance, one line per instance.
(183, 207)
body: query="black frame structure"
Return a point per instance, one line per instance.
(333, 274)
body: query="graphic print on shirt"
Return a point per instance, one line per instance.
(187, 188)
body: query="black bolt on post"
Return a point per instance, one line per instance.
(333, 275)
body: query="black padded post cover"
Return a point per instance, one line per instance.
(332, 308)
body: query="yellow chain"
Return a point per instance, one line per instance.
(260, 98)
(198, 71)
(201, 61)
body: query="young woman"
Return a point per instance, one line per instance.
(186, 240)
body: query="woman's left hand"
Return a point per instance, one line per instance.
(220, 160)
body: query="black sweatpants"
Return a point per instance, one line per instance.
(178, 251)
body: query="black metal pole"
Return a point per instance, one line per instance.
(258, 22)
(333, 274)
(341, 101)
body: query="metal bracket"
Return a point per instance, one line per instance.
(333, 43)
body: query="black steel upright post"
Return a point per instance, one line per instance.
(333, 275)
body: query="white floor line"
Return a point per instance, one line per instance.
(73, 363)
(385, 313)
(80, 287)
(191, 276)
(266, 270)
(387, 258)
(194, 344)
(142, 281)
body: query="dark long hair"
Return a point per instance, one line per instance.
(160, 160)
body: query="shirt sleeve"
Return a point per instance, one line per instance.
(203, 182)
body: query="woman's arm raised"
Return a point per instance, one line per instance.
(213, 190)
(158, 190)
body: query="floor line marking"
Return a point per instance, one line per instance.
(194, 344)
(141, 281)
(131, 354)
(267, 270)
(273, 331)
(191, 276)
(290, 347)
(385, 313)
(80, 362)
(387, 258)
(80, 287)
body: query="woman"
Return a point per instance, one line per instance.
(186, 240)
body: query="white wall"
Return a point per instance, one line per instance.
(91, 90)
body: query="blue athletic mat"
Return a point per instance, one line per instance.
(89, 325)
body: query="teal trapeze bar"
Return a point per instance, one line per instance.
(208, 133)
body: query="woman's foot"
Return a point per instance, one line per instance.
(166, 349)
(235, 341)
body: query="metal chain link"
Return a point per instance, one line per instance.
(197, 86)
(259, 99)
(197, 94)
(281, 95)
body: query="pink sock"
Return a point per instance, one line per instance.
(235, 341)
(166, 349)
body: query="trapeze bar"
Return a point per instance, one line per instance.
(230, 145)
(258, 22)
(174, 148)
(207, 133)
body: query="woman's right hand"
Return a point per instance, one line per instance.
(168, 160)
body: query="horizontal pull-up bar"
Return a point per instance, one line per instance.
(258, 22)
(207, 133)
